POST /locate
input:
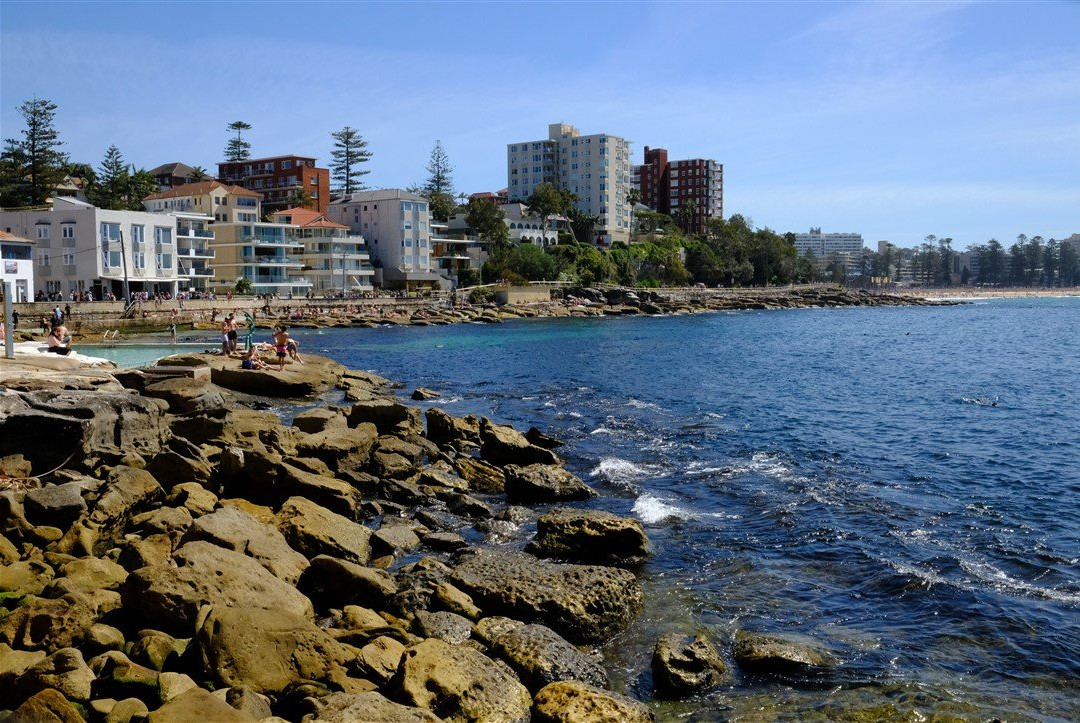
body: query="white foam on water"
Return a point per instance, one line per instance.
(449, 400)
(622, 471)
(987, 574)
(653, 509)
(638, 404)
(602, 430)
(528, 399)
(574, 415)
(770, 465)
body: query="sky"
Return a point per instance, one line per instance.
(892, 119)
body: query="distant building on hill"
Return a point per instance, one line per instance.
(283, 181)
(171, 175)
(823, 245)
(695, 183)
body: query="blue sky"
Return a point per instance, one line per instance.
(896, 120)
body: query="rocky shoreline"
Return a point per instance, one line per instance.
(169, 553)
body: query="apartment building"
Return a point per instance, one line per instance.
(695, 185)
(822, 245)
(397, 227)
(222, 202)
(17, 257)
(171, 175)
(80, 247)
(335, 259)
(280, 179)
(596, 168)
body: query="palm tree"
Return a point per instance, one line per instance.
(633, 198)
(301, 199)
(198, 173)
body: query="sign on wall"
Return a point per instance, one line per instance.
(11, 267)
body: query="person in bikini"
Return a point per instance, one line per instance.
(281, 345)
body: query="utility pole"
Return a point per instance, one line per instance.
(123, 258)
(9, 335)
(343, 283)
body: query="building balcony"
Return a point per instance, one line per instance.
(259, 260)
(188, 232)
(265, 280)
(195, 272)
(196, 252)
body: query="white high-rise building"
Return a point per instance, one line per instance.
(825, 244)
(596, 168)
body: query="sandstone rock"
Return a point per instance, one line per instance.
(590, 536)
(127, 710)
(458, 431)
(185, 395)
(535, 436)
(206, 574)
(314, 376)
(442, 474)
(57, 505)
(65, 671)
(393, 540)
(127, 492)
(502, 445)
(458, 683)
(388, 416)
(170, 685)
(380, 658)
(444, 541)
(574, 702)
(462, 504)
(48, 706)
(390, 464)
(681, 667)
(335, 583)
(39, 624)
(449, 627)
(340, 447)
(454, 600)
(236, 530)
(103, 637)
(246, 700)
(194, 497)
(25, 577)
(171, 467)
(366, 708)
(333, 494)
(8, 552)
(262, 513)
(585, 604)
(120, 677)
(156, 649)
(229, 426)
(267, 649)
(88, 574)
(481, 476)
(543, 483)
(771, 654)
(162, 521)
(197, 704)
(14, 663)
(313, 530)
(318, 419)
(422, 393)
(15, 465)
(541, 656)
(147, 552)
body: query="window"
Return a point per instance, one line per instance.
(286, 165)
(406, 206)
(67, 230)
(164, 261)
(162, 235)
(407, 258)
(423, 260)
(69, 258)
(314, 181)
(140, 259)
(43, 257)
(137, 236)
(407, 242)
(43, 231)
(110, 232)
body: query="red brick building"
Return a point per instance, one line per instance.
(279, 179)
(666, 186)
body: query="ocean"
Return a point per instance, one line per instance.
(899, 485)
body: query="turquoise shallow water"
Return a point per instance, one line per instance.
(900, 485)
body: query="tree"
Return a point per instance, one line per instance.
(685, 213)
(633, 198)
(301, 198)
(244, 286)
(198, 173)
(350, 150)
(490, 225)
(31, 167)
(113, 181)
(1069, 262)
(141, 183)
(238, 149)
(439, 187)
(546, 201)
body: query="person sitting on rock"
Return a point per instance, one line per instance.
(251, 360)
(57, 342)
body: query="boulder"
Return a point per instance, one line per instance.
(127, 491)
(775, 655)
(590, 536)
(25, 577)
(313, 530)
(119, 677)
(39, 624)
(371, 707)
(127, 710)
(234, 529)
(156, 649)
(267, 649)
(162, 521)
(171, 467)
(535, 436)
(14, 663)
(196, 704)
(54, 427)
(48, 706)
(185, 395)
(388, 416)
(457, 431)
(681, 667)
(571, 701)
(541, 656)
(340, 447)
(314, 376)
(319, 419)
(101, 638)
(422, 393)
(331, 493)
(65, 671)
(458, 683)
(543, 483)
(170, 685)
(451, 599)
(502, 445)
(246, 700)
(88, 574)
(393, 540)
(336, 583)
(205, 574)
(583, 603)
(449, 627)
(56, 505)
(481, 476)
(380, 658)
(197, 499)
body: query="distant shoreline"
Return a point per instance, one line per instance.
(966, 293)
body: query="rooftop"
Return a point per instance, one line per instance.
(196, 189)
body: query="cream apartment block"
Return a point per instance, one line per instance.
(80, 247)
(266, 254)
(397, 227)
(333, 258)
(596, 168)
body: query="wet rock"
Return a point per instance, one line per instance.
(267, 649)
(422, 393)
(771, 654)
(585, 604)
(206, 574)
(535, 436)
(314, 530)
(502, 445)
(336, 583)
(681, 667)
(57, 505)
(481, 476)
(197, 704)
(459, 683)
(369, 707)
(65, 671)
(543, 483)
(442, 474)
(393, 540)
(540, 656)
(317, 420)
(590, 536)
(48, 706)
(575, 702)
(185, 395)
(389, 417)
(449, 627)
(444, 541)
(39, 624)
(236, 530)
(460, 432)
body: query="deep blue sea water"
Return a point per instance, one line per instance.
(900, 485)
